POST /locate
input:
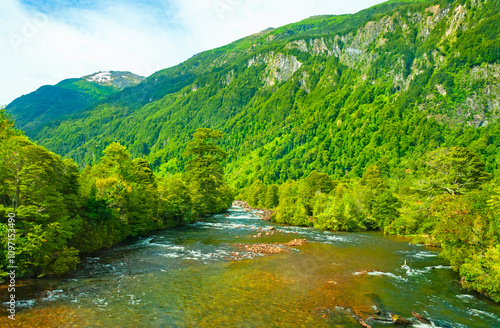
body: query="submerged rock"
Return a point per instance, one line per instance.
(264, 249)
(399, 320)
(295, 242)
(420, 318)
(362, 322)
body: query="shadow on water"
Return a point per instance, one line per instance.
(197, 276)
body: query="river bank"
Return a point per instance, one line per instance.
(265, 214)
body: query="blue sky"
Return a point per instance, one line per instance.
(49, 6)
(43, 42)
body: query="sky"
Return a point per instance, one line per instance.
(45, 41)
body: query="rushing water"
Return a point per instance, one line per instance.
(190, 277)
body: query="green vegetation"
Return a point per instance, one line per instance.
(383, 120)
(386, 85)
(446, 200)
(51, 103)
(61, 213)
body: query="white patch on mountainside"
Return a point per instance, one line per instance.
(101, 77)
(115, 78)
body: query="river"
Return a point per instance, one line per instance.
(197, 276)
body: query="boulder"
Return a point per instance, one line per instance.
(420, 318)
(399, 320)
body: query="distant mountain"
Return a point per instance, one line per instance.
(329, 93)
(51, 102)
(120, 80)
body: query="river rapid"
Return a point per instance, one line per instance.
(198, 276)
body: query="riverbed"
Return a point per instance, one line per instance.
(201, 275)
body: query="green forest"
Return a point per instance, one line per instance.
(385, 120)
(446, 200)
(62, 213)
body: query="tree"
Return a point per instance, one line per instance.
(454, 171)
(175, 200)
(143, 198)
(385, 208)
(494, 201)
(338, 211)
(381, 206)
(320, 182)
(256, 193)
(204, 173)
(481, 272)
(114, 163)
(272, 197)
(43, 192)
(7, 129)
(462, 227)
(203, 145)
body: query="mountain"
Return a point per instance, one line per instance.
(51, 102)
(117, 79)
(330, 93)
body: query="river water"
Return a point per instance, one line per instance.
(197, 276)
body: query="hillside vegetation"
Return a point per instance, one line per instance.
(51, 103)
(334, 94)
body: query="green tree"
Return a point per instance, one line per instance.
(256, 193)
(272, 197)
(320, 182)
(481, 272)
(454, 171)
(115, 162)
(380, 205)
(176, 202)
(204, 172)
(43, 192)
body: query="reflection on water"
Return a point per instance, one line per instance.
(189, 277)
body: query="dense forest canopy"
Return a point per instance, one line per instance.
(61, 212)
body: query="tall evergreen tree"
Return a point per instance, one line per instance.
(204, 172)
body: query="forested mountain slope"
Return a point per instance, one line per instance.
(52, 102)
(330, 93)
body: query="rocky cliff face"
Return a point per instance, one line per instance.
(279, 67)
(360, 49)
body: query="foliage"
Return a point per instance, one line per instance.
(339, 113)
(204, 172)
(60, 212)
(454, 171)
(50, 102)
(459, 211)
(481, 272)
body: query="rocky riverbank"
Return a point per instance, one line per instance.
(265, 214)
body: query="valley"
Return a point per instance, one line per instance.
(374, 136)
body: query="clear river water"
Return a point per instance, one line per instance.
(198, 276)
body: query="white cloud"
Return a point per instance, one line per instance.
(141, 37)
